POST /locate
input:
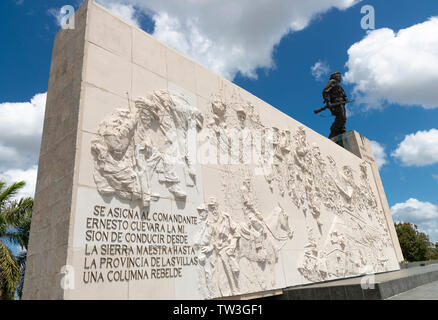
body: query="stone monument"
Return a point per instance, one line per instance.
(158, 179)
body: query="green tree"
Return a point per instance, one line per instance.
(432, 253)
(414, 244)
(15, 218)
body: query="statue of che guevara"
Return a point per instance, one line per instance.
(335, 99)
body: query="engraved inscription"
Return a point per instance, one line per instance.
(124, 244)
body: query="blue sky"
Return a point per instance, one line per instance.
(393, 75)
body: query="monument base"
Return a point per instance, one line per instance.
(370, 287)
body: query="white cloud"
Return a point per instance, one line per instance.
(56, 13)
(397, 67)
(16, 175)
(228, 36)
(379, 153)
(123, 9)
(418, 149)
(423, 214)
(21, 127)
(320, 69)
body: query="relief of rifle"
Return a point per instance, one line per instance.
(329, 106)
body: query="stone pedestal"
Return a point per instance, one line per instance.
(158, 179)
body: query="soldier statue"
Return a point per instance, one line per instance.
(335, 100)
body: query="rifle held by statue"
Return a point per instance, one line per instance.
(332, 105)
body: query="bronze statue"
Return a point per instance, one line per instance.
(335, 100)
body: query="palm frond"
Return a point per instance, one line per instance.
(9, 272)
(8, 192)
(21, 260)
(16, 221)
(16, 211)
(3, 226)
(18, 237)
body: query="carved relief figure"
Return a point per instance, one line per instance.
(316, 185)
(231, 125)
(218, 251)
(350, 250)
(113, 153)
(312, 265)
(239, 255)
(136, 149)
(154, 154)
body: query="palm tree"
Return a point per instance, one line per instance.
(15, 217)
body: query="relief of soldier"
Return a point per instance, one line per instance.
(137, 150)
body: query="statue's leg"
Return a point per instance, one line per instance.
(333, 130)
(338, 127)
(343, 119)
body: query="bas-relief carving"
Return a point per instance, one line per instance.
(317, 187)
(230, 125)
(238, 254)
(151, 141)
(238, 245)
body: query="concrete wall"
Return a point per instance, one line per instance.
(50, 229)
